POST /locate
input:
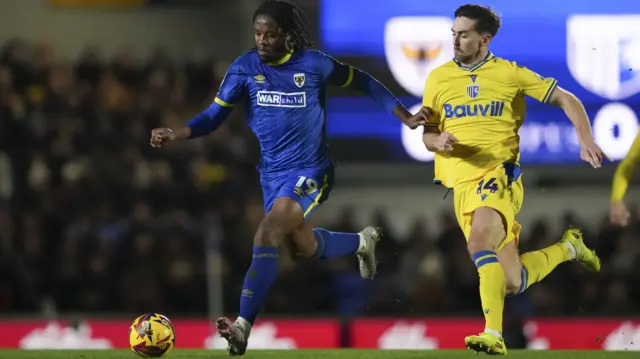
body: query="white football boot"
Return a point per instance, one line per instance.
(366, 253)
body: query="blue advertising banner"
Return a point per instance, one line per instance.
(591, 47)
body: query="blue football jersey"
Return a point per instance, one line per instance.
(284, 104)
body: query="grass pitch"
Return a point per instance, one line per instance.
(317, 354)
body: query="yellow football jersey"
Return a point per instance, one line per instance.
(623, 173)
(483, 107)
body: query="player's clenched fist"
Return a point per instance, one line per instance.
(160, 136)
(444, 142)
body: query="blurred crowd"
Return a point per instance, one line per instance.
(93, 219)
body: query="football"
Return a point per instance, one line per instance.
(152, 335)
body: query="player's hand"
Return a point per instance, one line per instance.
(445, 142)
(619, 213)
(591, 153)
(419, 119)
(160, 136)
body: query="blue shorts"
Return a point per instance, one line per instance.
(310, 187)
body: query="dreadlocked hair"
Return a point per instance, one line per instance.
(290, 18)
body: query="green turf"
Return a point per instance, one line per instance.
(317, 354)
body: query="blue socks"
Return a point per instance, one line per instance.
(260, 276)
(264, 267)
(335, 244)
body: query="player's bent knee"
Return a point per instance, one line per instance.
(510, 262)
(512, 285)
(287, 249)
(296, 250)
(513, 279)
(304, 242)
(487, 230)
(281, 220)
(270, 233)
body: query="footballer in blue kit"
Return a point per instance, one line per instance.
(281, 84)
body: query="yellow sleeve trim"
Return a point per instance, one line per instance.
(349, 78)
(222, 103)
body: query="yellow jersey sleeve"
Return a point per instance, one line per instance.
(623, 173)
(534, 85)
(429, 99)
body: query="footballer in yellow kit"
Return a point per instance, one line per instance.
(475, 106)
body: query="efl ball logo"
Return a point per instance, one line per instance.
(414, 46)
(603, 54)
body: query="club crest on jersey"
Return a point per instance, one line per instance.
(414, 46)
(298, 79)
(603, 54)
(472, 90)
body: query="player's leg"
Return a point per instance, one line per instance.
(311, 243)
(536, 265)
(513, 269)
(486, 211)
(282, 219)
(521, 271)
(283, 215)
(319, 243)
(487, 233)
(312, 188)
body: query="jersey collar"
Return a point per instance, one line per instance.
(476, 66)
(284, 59)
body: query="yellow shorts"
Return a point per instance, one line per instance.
(500, 189)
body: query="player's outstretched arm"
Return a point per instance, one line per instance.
(207, 121)
(201, 125)
(546, 90)
(365, 83)
(232, 89)
(343, 75)
(574, 109)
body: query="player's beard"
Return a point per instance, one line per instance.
(469, 58)
(270, 54)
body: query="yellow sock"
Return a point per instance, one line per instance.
(492, 288)
(538, 264)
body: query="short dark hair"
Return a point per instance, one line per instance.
(487, 20)
(289, 18)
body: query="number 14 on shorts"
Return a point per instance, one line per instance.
(487, 186)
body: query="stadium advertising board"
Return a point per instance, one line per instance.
(285, 334)
(190, 334)
(591, 47)
(542, 334)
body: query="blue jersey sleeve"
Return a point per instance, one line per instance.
(340, 74)
(232, 90)
(233, 86)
